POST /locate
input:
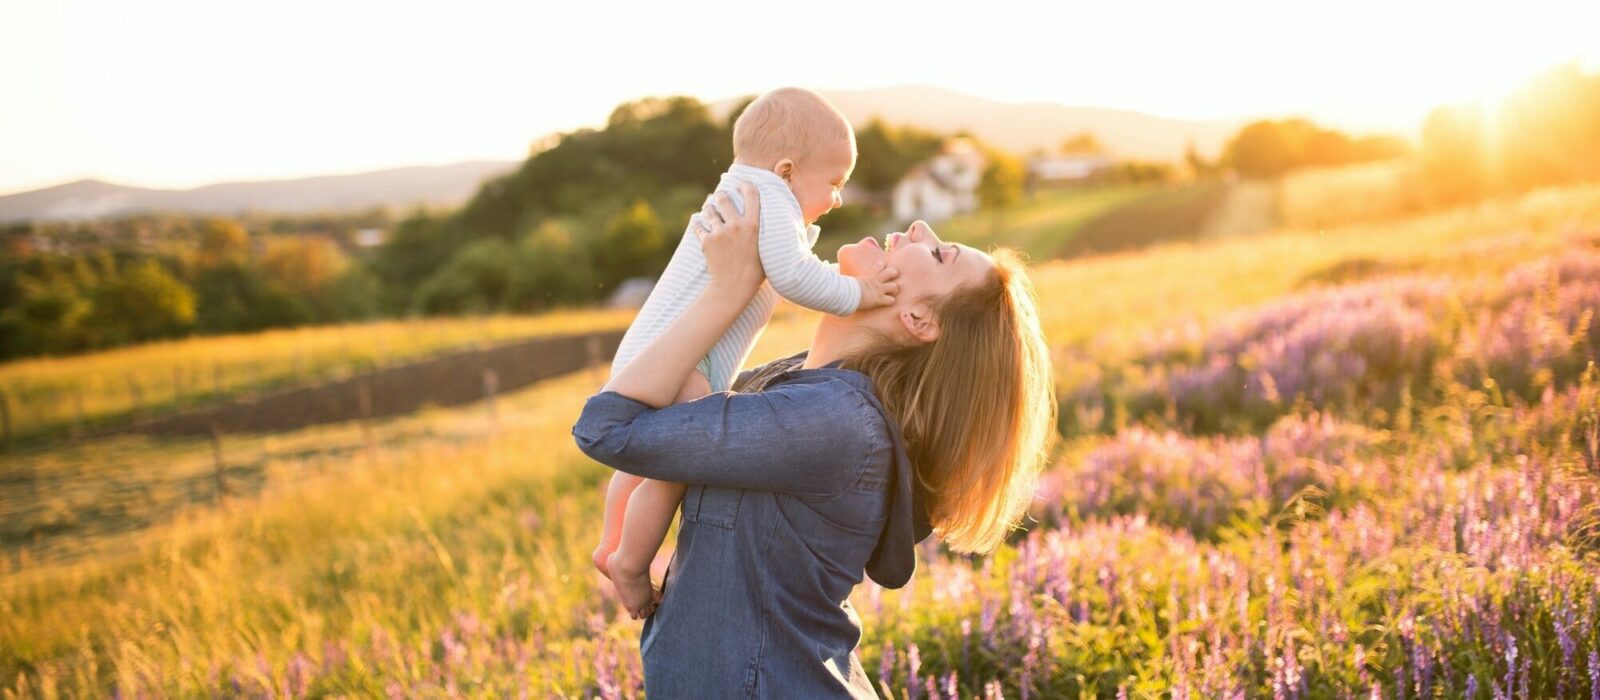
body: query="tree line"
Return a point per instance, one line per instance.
(1545, 132)
(221, 280)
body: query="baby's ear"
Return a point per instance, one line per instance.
(784, 168)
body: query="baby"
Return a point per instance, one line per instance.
(797, 149)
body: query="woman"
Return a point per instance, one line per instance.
(931, 414)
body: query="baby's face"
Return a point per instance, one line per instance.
(817, 183)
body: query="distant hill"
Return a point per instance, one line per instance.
(440, 185)
(1023, 127)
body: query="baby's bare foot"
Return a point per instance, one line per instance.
(602, 560)
(633, 587)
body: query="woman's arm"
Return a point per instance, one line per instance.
(809, 437)
(656, 375)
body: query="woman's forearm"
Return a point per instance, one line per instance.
(658, 372)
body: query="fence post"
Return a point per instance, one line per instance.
(218, 465)
(136, 397)
(77, 411)
(491, 385)
(592, 346)
(5, 420)
(364, 398)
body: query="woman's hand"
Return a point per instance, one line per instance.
(730, 244)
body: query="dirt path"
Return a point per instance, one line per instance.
(448, 380)
(1250, 207)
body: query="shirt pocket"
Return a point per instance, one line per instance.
(711, 506)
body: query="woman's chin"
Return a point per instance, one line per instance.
(854, 257)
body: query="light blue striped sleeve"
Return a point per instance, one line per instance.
(796, 273)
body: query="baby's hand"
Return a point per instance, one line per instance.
(878, 288)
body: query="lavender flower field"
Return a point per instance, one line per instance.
(1385, 488)
(1373, 349)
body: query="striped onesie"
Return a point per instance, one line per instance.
(792, 270)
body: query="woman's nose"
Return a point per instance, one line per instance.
(917, 229)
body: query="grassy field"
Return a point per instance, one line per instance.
(1103, 303)
(1170, 213)
(1324, 556)
(1348, 194)
(52, 395)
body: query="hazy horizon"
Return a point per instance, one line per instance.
(172, 94)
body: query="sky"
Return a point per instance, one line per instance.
(179, 93)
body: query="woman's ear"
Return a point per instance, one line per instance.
(919, 322)
(784, 168)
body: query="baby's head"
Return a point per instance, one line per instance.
(799, 135)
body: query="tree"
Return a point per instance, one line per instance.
(1549, 129)
(237, 296)
(1085, 143)
(632, 246)
(1269, 148)
(648, 147)
(222, 241)
(306, 267)
(552, 269)
(1261, 149)
(886, 154)
(142, 303)
(479, 279)
(355, 294)
(48, 311)
(1002, 181)
(419, 246)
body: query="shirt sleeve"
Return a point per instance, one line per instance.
(808, 439)
(796, 273)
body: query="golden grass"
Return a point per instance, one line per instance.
(1348, 194)
(445, 511)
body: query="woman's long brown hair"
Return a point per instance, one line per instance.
(976, 406)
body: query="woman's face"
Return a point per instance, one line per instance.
(929, 268)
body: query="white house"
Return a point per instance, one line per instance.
(941, 187)
(370, 237)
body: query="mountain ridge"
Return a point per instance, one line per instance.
(1024, 127)
(89, 198)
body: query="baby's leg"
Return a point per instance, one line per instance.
(649, 512)
(621, 487)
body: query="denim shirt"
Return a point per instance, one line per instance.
(798, 485)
